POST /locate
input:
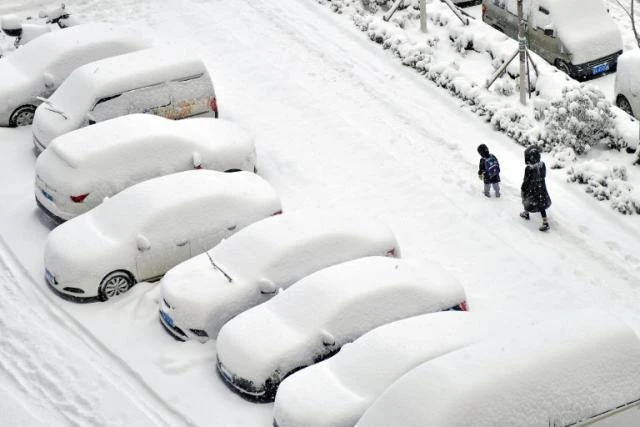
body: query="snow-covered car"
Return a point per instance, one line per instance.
(353, 379)
(168, 82)
(203, 293)
(627, 85)
(80, 168)
(143, 231)
(315, 317)
(571, 370)
(36, 70)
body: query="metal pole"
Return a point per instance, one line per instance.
(522, 46)
(423, 16)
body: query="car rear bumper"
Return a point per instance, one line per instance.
(50, 208)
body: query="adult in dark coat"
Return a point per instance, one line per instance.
(533, 191)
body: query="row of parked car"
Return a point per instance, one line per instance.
(146, 198)
(126, 183)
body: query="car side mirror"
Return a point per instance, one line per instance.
(91, 119)
(143, 243)
(327, 338)
(197, 160)
(550, 32)
(267, 287)
(49, 80)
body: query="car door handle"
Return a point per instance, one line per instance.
(182, 243)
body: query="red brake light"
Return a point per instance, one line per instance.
(214, 106)
(391, 252)
(80, 198)
(463, 306)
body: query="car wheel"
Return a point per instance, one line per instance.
(22, 116)
(623, 104)
(563, 66)
(114, 284)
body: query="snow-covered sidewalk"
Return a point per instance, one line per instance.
(54, 373)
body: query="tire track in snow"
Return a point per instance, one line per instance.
(62, 369)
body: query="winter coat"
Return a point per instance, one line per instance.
(534, 189)
(482, 169)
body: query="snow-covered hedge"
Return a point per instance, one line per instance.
(562, 113)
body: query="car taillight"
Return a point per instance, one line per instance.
(461, 307)
(80, 198)
(484, 10)
(391, 252)
(214, 106)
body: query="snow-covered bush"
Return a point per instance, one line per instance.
(580, 119)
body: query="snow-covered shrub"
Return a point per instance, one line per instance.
(607, 183)
(562, 156)
(504, 86)
(580, 119)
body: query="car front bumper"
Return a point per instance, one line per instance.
(245, 388)
(71, 293)
(50, 208)
(596, 67)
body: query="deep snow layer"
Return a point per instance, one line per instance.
(338, 122)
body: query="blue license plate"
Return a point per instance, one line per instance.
(601, 68)
(167, 319)
(47, 195)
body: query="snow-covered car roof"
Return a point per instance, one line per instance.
(93, 146)
(129, 210)
(558, 372)
(350, 381)
(325, 310)
(111, 76)
(36, 56)
(575, 29)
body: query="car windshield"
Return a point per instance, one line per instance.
(74, 96)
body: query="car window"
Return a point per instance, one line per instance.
(146, 99)
(111, 106)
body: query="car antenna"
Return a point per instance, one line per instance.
(218, 268)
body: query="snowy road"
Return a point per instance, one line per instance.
(337, 122)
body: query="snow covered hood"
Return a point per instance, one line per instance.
(588, 32)
(338, 303)
(569, 368)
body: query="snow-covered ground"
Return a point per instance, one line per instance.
(337, 123)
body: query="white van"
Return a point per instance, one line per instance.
(577, 36)
(167, 82)
(627, 86)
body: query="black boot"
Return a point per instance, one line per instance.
(524, 214)
(545, 225)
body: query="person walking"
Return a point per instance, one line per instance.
(489, 171)
(533, 191)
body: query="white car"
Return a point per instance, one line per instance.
(314, 318)
(571, 370)
(37, 69)
(79, 169)
(203, 293)
(143, 231)
(627, 85)
(168, 82)
(353, 379)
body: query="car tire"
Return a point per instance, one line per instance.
(114, 284)
(563, 66)
(22, 116)
(624, 105)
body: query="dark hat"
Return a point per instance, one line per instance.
(531, 155)
(483, 150)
